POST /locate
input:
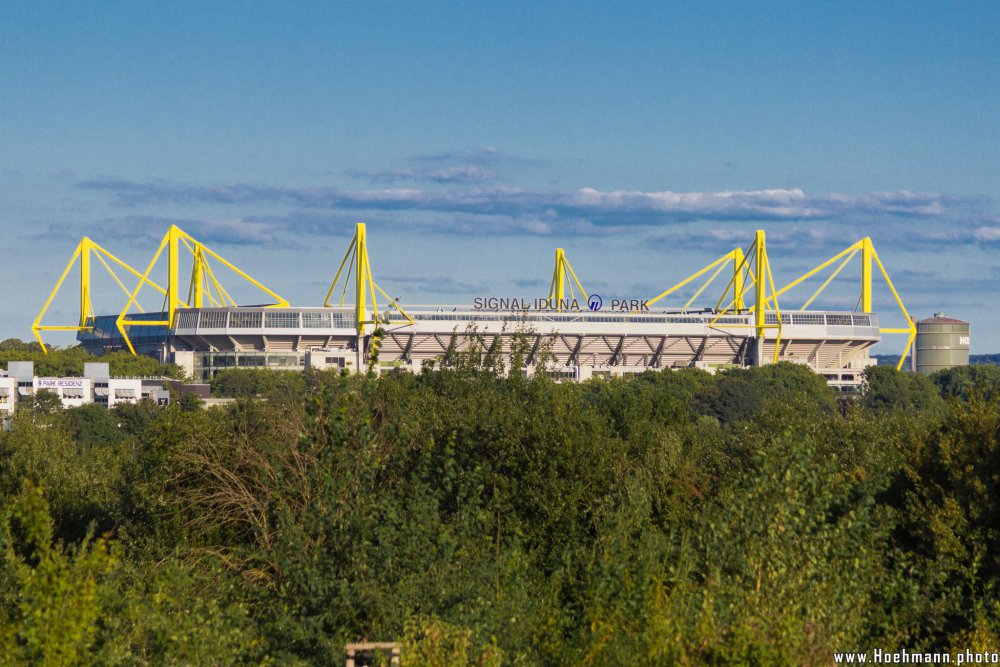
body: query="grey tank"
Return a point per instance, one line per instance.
(941, 342)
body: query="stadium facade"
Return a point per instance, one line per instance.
(568, 335)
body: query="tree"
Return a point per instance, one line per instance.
(962, 381)
(17, 345)
(740, 394)
(889, 389)
(44, 403)
(68, 362)
(190, 402)
(50, 606)
(92, 425)
(257, 382)
(123, 364)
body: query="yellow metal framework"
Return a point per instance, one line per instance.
(85, 252)
(869, 259)
(749, 268)
(203, 282)
(364, 283)
(735, 258)
(755, 267)
(563, 276)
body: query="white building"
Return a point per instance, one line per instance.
(123, 390)
(324, 358)
(96, 386)
(8, 396)
(72, 392)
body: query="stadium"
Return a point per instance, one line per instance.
(569, 334)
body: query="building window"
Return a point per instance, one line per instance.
(245, 319)
(279, 319)
(343, 321)
(213, 319)
(315, 320)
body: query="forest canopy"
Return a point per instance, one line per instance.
(676, 517)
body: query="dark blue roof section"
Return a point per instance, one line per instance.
(105, 336)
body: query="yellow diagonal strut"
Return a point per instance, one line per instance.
(85, 251)
(563, 276)
(734, 258)
(201, 277)
(356, 259)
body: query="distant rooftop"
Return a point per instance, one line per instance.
(941, 318)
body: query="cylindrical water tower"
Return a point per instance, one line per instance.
(942, 342)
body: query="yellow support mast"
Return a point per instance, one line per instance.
(356, 259)
(753, 264)
(739, 262)
(869, 260)
(202, 281)
(85, 252)
(563, 275)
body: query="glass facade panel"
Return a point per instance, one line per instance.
(315, 320)
(213, 319)
(282, 319)
(343, 321)
(245, 319)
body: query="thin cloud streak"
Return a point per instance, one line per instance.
(591, 206)
(149, 229)
(460, 175)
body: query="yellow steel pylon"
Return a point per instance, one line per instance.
(364, 282)
(563, 275)
(203, 282)
(85, 251)
(869, 259)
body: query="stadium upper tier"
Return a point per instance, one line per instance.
(582, 343)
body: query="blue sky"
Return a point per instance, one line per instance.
(646, 138)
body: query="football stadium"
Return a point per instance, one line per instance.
(733, 315)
